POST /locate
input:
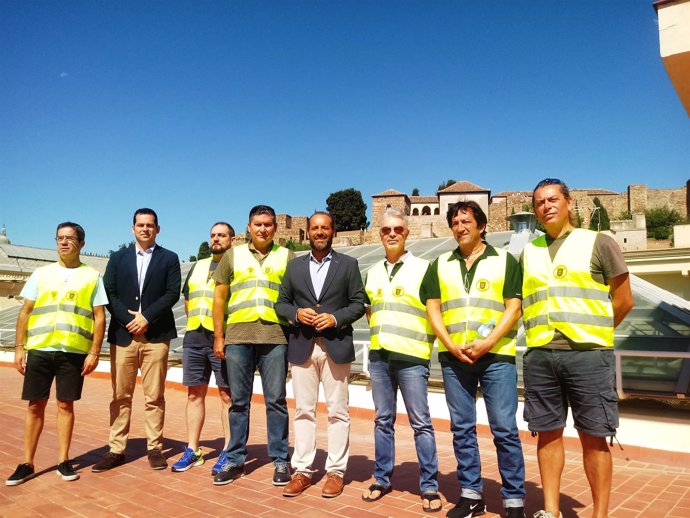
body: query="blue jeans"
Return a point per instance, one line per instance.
(242, 360)
(412, 380)
(498, 382)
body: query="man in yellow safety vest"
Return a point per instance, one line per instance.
(198, 359)
(401, 344)
(576, 290)
(473, 298)
(60, 330)
(249, 334)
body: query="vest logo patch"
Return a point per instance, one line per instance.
(268, 270)
(72, 295)
(379, 292)
(398, 291)
(483, 284)
(560, 272)
(250, 269)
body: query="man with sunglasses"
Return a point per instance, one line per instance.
(473, 300)
(576, 290)
(401, 344)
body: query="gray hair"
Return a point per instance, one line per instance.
(395, 213)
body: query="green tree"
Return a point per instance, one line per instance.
(600, 217)
(447, 183)
(626, 214)
(192, 258)
(121, 246)
(348, 209)
(415, 192)
(204, 251)
(660, 222)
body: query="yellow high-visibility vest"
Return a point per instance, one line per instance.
(200, 299)
(254, 288)
(465, 310)
(562, 295)
(398, 318)
(62, 313)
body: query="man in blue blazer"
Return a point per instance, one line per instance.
(143, 284)
(321, 295)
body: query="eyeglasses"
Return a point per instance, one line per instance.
(69, 239)
(387, 230)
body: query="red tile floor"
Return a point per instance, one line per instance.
(641, 489)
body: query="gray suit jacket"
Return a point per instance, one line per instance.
(342, 296)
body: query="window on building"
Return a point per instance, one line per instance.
(415, 211)
(426, 211)
(436, 211)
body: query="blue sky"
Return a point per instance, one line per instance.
(202, 109)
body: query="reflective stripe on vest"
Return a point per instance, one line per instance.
(254, 288)
(62, 313)
(562, 295)
(464, 312)
(398, 318)
(200, 302)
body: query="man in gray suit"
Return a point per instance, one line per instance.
(321, 295)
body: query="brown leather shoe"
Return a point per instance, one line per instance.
(156, 459)
(333, 486)
(299, 483)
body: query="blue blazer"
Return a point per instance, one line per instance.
(161, 290)
(342, 296)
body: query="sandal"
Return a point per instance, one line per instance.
(429, 498)
(383, 491)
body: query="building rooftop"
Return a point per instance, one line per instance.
(463, 186)
(389, 192)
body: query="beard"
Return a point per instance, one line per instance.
(321, 246)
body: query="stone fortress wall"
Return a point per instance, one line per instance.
(636, 199)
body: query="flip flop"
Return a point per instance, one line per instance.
(431, 497)
(383, 491)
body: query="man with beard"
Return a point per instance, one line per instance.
(321, 295)
(198, 359)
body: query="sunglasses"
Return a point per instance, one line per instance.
(387, 230)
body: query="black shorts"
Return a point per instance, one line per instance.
(197, 364)
(585, 380)
(43, 366)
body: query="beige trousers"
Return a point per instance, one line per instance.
(125, 362)
(305, 386)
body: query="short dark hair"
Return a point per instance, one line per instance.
(552, 181)
(145, 211)
(323, 213)
(258, 210)
(231, 230)
(81, 235)
(477, 212)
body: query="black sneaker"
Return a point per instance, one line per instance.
(229, 473)
(281, 475)
(23, 473)
(109, 461)
(467, 508)
(515, 512)
(67, 471)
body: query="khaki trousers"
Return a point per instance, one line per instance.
(125, 362)
(305, 386)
